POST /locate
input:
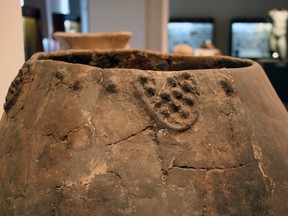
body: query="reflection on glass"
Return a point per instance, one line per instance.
(71, 26)
(250, 40)
(191, 33)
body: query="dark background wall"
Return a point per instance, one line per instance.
(223, 11)
(41, 4)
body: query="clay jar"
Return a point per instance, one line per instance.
(101, 40)
(142, 133)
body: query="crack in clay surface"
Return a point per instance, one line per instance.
(205, 195)
(118, 175)
(240, 166)
(259, 157)
(60, 198)
(130, 136)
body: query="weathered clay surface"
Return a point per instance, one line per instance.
(140, 133)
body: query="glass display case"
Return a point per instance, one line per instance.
(191, 31)
(250, 38)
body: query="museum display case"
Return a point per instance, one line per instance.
(190, 31)
(249, 38)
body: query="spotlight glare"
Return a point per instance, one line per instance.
(275, 55)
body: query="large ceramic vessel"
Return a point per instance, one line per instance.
(102, 40)
(141, 133)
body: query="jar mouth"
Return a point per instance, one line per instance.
(143, 60)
